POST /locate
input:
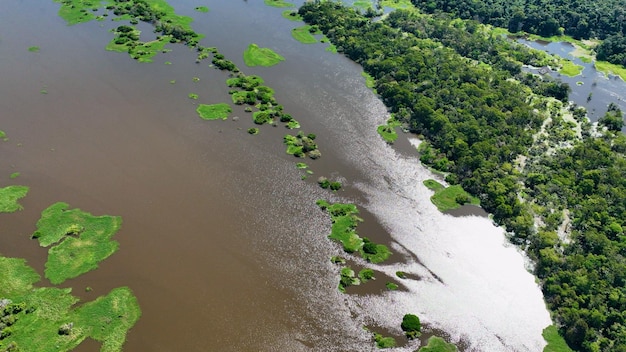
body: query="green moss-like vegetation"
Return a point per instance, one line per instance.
(9, 196)
(15, 175)
(16, 277)
(214, 111)
(45, 320)
(391, 286)
(278, 3)
(256, 56)
(569, 68)
(437, 344)
(302, 145)
(126, 40)
(344, 219)
(397, 4)
(3, 135)
(388, 130)
(366, 275)
(384, 342)
(447, 198)
(80, 240)
(362, 3)
(331, 48)
(609, 68)
(253, 130)
(302, 165)
(77, 11)
(556, 343)
(292, 15)
(193, 96)
(43, 91)
(202, 9)
(304, 34)
(370, 82)
(373, 252)
(347, 278)
(33, 49)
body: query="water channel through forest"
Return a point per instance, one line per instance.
(221, 240)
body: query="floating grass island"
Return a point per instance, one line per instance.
(388, 130)
(9, 196)
(202, 9)
(256, 56)
(437, 344)
(79, 240)
(278, 3)
(214, 111)
(345, 219)
(448, 198)
(46, 319)
(304, 34)
(33, 49)
(292, 15)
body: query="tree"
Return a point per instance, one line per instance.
(411, 326)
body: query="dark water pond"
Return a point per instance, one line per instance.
(221, 240)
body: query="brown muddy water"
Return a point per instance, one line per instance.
(221, 240)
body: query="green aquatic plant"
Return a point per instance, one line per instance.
(214, 111)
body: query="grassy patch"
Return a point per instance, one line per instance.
(303, 34)
(344, 219)
(292, 15)
(362, 3)
(256, 56)
(609, 68)
(17, 278)
(45, 320)
(9, 196)
(370, 82)
(437, 344)
(214, 111)
(3, 136)
(302, 145)
(373, 252)
(388, 131)
(384, 342)
(253, 130)
(569, 68)
(366, 275)
(80, 240)
(556, 343)
(301, 166)
(15, 175)
(77, 11)
(278, 3)
(397, 4)
(126, 40)
(202, 9)
(391, 286)
(347, 278)
(448, 198)
(33, 49)
(193, 96)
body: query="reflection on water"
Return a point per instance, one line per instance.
(221, 241)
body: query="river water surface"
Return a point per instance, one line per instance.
(221, 240)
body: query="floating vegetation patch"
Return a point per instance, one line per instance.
(388, 130)
(278, 3)
(304, 34)
(202, 9)
(448, 198)
(302, 145)
(256, 56)
(292, 15)
(9, 196)
(79, 240)
(214, 111)
(33, 49)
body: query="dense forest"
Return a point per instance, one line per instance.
(578, 18)
(555, 182)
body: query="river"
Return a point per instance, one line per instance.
(221, 240)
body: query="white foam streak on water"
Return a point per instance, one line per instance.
(486, 296)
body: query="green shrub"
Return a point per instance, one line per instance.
(411, 326)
